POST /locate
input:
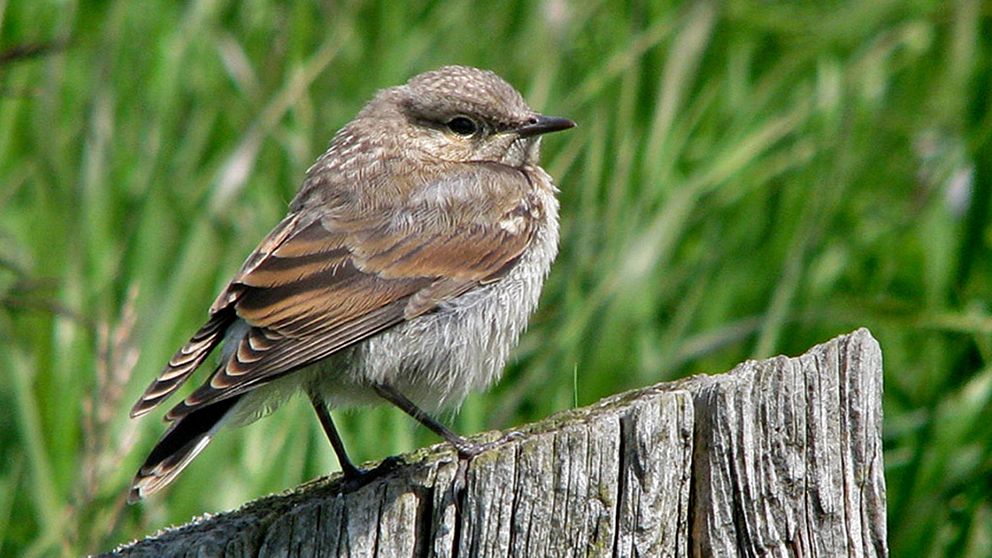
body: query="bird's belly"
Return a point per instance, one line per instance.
(438, 358)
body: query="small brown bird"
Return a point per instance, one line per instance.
(408, 266)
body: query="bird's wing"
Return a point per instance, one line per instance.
(319, 283)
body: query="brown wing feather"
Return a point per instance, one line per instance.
(240, 376)
(319, 283)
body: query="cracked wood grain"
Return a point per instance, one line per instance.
(779, 457)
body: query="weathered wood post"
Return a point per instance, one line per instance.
(780, 457)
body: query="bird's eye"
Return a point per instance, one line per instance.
(463, 126)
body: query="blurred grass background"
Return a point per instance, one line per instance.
(748, 178)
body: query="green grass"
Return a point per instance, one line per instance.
(748, 178)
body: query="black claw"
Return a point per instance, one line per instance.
(388, 465)
(468, 450)
(355, 477)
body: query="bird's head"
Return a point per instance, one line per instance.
(463, 114)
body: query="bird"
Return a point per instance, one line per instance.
(405, 270)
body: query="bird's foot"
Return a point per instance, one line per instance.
(468, 449)
(355, 477)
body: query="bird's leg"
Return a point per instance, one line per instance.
(324, 415)
(465, 447)
(355, 476)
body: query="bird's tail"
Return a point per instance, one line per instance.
(178, 446)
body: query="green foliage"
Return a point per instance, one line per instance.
(748, 178)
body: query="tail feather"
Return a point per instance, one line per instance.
(187, 359)
(181, 443)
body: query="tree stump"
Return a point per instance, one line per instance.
(779, 457)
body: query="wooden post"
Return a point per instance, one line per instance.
(780, 457)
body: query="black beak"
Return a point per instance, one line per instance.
(541, 124)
